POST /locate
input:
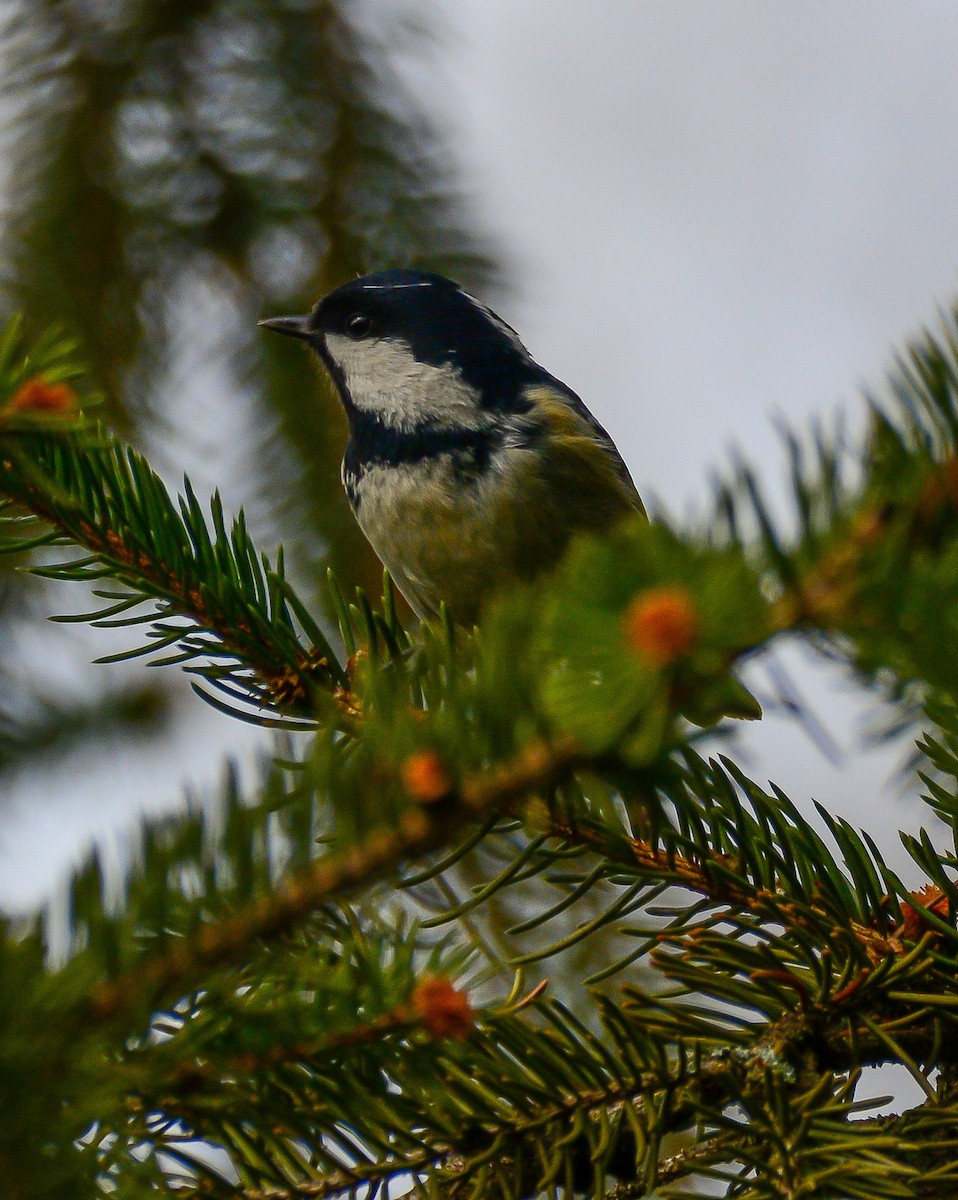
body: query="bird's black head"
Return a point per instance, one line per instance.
(414, 348)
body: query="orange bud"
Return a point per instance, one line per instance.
(36, 395)
(425, 777)
(661, 624)
(443, 1010)
(940, 491)
(913, 923)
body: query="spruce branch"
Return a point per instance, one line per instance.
(228, 613)
(807, 1046)
(558, 743)
(611, 1118)
(871, 565)
(720, 879)
(331, 877)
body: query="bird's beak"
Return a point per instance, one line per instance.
(293, 326)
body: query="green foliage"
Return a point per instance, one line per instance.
(582, 642)
(230, 614)
(305, 974)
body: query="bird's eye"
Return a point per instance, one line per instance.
(358, 326)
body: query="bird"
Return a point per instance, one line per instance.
(468, 466)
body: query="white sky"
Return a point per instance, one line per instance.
(721, 212)
(719, 209)
(717, 212)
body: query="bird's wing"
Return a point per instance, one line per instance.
(570, 420)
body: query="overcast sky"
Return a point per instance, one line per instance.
(719, 210)
(720, 213)
(716, 212)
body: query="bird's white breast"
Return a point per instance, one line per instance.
(435, 533)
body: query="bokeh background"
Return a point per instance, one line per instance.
(704, 217)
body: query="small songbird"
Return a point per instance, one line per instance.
(468, 465)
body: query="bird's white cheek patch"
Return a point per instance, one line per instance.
(383, 376)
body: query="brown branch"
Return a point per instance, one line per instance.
(689, 873)
(827, 596)
(435, 1007)
(797, 1046)
(186, 1077)
(724, 1147)
(333, 876)
(292, 686)
(720, 1078)
(455, 1164)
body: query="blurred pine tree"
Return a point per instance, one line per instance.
(173, 171)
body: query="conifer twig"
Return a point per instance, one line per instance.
(686, 872)
(81, 490)
(331, 877)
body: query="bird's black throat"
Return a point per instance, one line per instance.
(374, 443)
